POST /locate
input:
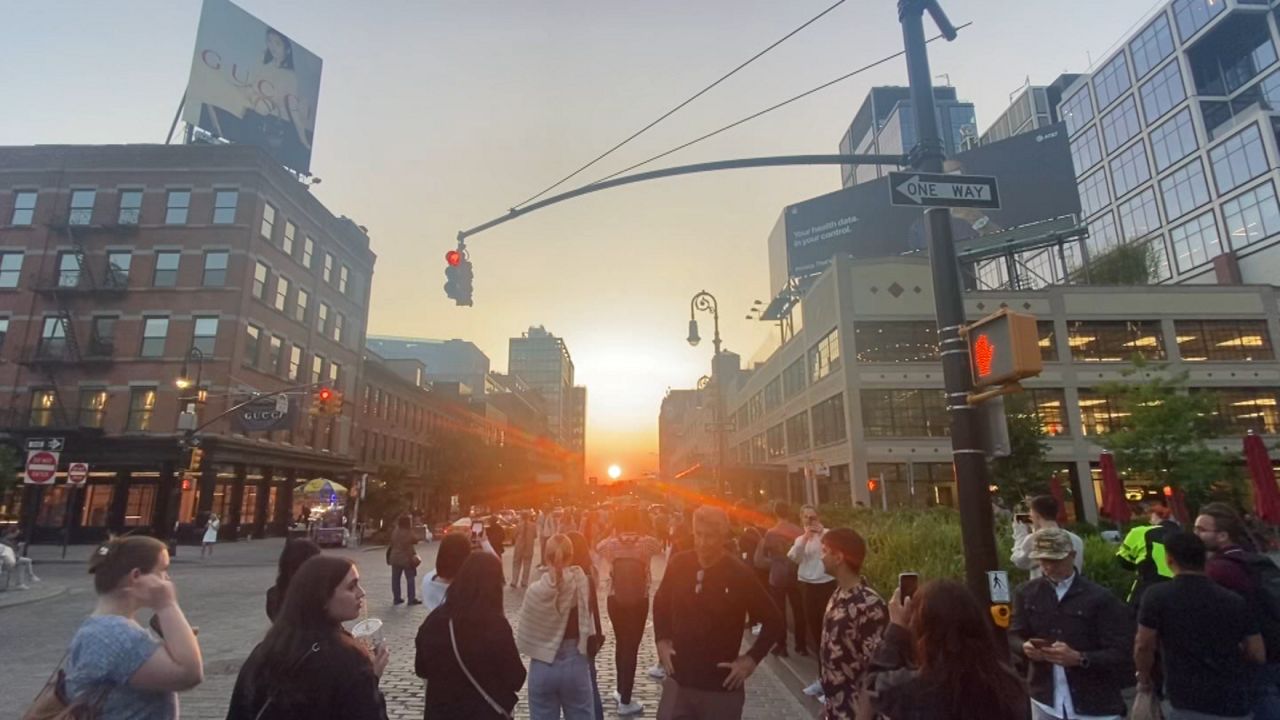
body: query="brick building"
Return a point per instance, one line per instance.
(125, 267)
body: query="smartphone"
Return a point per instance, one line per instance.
(1024, 518)
(908, 583)
(1039, 643)
(477, 528)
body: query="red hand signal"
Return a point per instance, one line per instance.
(984, 354)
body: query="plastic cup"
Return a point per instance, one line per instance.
(369, 632)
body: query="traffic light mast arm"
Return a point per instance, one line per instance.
(772, 161)
(254, 399)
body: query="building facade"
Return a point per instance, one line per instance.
(857, 393)
(543, 362)
(128, 267)
(1032, 108)
(885, 125)
(445, 360)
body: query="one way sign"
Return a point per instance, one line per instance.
(929, 190)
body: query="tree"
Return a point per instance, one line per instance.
(386, 497)
(1024, 472)
(1162, 432)
(1130, 263)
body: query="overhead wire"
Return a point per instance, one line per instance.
(679, 107)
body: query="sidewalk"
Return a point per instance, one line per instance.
(243, 553)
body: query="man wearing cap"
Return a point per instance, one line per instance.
(853, 626)
(1077, 636)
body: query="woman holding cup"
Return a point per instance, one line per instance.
(308, 665)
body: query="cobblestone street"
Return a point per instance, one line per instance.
(224, 597)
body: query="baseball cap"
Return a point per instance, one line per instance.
(1050, 544)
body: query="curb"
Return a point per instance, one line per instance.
(26, 597)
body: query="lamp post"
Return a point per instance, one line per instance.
(187, 422)
(706, 302)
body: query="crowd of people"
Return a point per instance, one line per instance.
(1197, 638)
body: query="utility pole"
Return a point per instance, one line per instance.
(972, 478)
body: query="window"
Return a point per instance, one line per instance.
(824, 357)
(1115, 341)
(215, 268)
(798, 433)
(308, 248)
(1120, 125)
(93, 407)
(268, 227)
(81, 212)
(755, 407)
(1191, 15)
(327, 273)
(775, 440)
(295, 363)
(828, 421)
(1153, 44)
(97, 502)
(155, 330)
(773, 394)
(1252, 216)
(1086, 151)
(794, 379)
(344, 277)
(224, 206)
(904, 413)
(1223, 340)
(339, 322)
(1049, 407)
(10, 269)
(1094, 195)
(335, 378)
(1077, 110)
(4, 330)
(166, 274)
(44, 403)
(1048, 345)
(142, 403)
(286, 241)
(896, 342)
(252, 345)
(1184, 190)
(282, 292)
(130, 207)
(53, 338)
(1173, 140)
(1195, 242)
(1099, 413)
(176, 205)
(1139, 216)
(24, 207)
(68, 270)
(118, 262)
(1111, 80)
(205, 335)
(249, 505)
(317, 368)
(322, 319)
(1129, 168)
(1162, 92)
(300, 306)
(260, 273)
(102, 339)
(1239, 410)
(1238, 160)
(275, 355)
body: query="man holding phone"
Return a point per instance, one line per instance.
(1042, 515)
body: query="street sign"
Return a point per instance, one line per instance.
(933, 190)
(42, 466)
(998, 583)
(52, 444)
(77, 473)
(282, 403)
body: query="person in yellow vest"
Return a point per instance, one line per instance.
(1143, 551)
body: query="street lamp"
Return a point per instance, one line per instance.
(705, 302)
(184, 380)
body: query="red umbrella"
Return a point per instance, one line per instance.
(1055, 489)
(1114, 503)
(1266, 498)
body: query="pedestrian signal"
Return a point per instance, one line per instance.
(1004, 348)
(873, 485)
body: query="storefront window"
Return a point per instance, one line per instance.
(1223, 340)
(97, 503)
(221, 499)
(912, 484)
(249, 505)
(1115, 341)
(273, 494)
(140, 506)
(53, 507)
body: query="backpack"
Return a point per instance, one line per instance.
(629, 582)
(1265, 602)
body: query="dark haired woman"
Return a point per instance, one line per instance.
(404, 560)
(470, 625)
(453, 551)
(939, 661)
(112, 656)
(308, 665)
(294, 554)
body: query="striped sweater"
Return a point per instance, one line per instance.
(545, 613)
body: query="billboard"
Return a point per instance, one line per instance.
(1037, 182)
(252, 84)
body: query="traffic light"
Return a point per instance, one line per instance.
(873, 485)
(458, 277)
(197, 455)
(1004, 348)
(186, 483)
(326, 401)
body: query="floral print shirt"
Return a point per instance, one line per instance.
(852, 630)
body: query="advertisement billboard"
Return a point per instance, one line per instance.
(1037, 182)
(250, 83)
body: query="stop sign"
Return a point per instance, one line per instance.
(42, 465)
(77, 473)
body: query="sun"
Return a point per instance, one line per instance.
(615, 472)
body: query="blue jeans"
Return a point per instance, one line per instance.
(561, 685)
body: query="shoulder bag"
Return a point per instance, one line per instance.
(453, 640)
(315, 647)
(52, 702)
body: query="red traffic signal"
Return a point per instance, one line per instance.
(873, 485)
(453, 257)
(324, 394)
(1003, 348)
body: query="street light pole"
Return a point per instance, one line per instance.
(969, 458)
(706, 302)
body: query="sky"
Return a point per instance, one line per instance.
(434, 116)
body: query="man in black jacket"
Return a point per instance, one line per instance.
(1077, 635)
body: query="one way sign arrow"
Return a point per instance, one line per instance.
(932, 190)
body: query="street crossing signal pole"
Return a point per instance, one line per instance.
(972, 477)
